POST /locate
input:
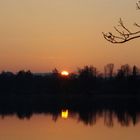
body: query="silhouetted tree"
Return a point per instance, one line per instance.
(124, 72)
(135, 71)
(55, 73)
(87, 72)
(109, 70)
(23, 74)
(87, 77)
(126, 69)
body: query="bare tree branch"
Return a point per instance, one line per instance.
(138, 5)
(137, 25)
(124, 33)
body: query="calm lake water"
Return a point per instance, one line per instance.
(67, 126)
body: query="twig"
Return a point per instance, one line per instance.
(124, 34)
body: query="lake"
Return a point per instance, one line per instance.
(67, 125)
(70, 118)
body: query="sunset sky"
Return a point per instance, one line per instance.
(43, 34)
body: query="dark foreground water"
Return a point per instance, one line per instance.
(72, 118)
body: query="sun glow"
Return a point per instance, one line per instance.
(64, 114)
(65, 73)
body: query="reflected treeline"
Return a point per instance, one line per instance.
(87, 110)
(86, 81)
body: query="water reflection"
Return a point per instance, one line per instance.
(88, 111)
(87, 117)
(64, 114)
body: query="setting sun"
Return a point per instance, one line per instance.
(65, 73)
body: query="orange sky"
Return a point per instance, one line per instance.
(43, 34)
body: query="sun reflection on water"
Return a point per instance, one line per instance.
(65, 114)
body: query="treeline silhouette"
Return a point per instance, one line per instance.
(87, 94)
(86, 81)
